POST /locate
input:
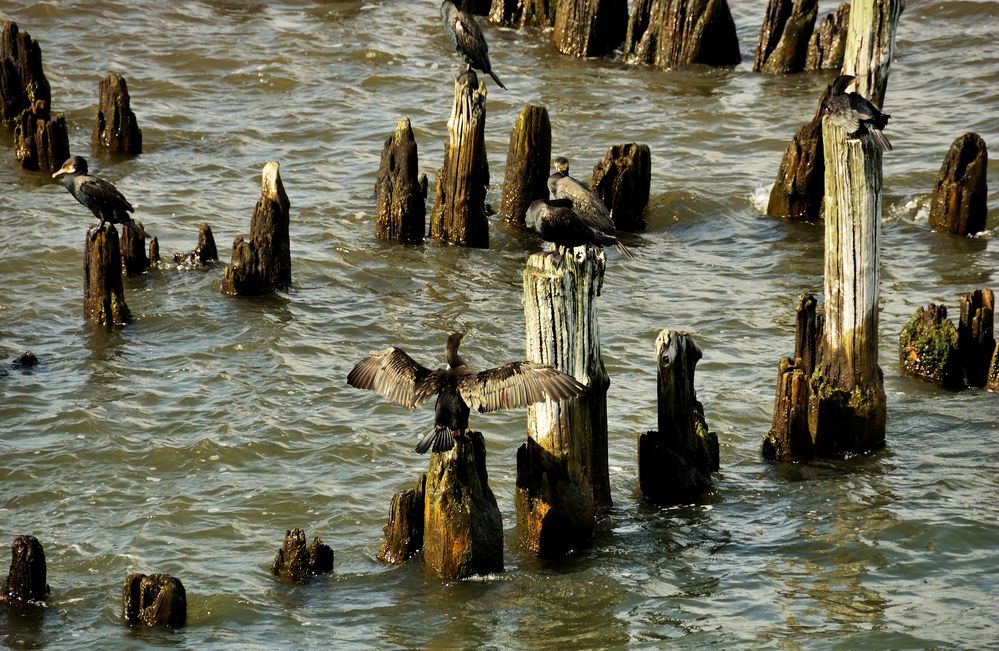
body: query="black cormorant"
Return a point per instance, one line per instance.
(396, 376)
(467, 38)
(854, 113)
(103, 199)
(587, 205)
(556, 221)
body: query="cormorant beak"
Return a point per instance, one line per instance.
(65, 169)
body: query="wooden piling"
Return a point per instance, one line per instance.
(623, 181)
(928, 348)
(26, 579)
(103, 291)
(590, 28)
(154, 600)
(828, 42)
(404, 527)
(401, 208)
(787, 28)
(523, 13)
(133, 248)
(675, 463)
(296, 563)
(562, 471)
(870, 46)
(476, 7)
(976, 335)
(459, 214)
(263, 263)
(961, 193)
(462, 526)
(800, 185)
(154, 252)
(672, 33)
(204, 253)
(527, 161)
(115, 127)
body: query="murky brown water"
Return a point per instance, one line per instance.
(189, 441)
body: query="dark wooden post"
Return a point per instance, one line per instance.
(263, 263)
(675, 463)
(401, 211)
(976, 334)
(787, 27)
(590, 28)
(204, 253)
(562, 471)
(103, 291)
(828, 41)
(477, 7)
(26, 580)
(527, 161)
(462, 526)
(928, 348)
(133, 248)
(623, 180)
(961, 193)
(154, 252)
(671, 33)
(797, 193)
(523, 13)
(115, 127)
(459, 214)
(404, 528)
(154, 600)
(296, 563)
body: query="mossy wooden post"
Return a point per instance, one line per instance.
(296, 563)
(26, 579)
(133, 249)
(523, 13)
(404, 527)
(675, 463)
(787, 28)
(263, 263)
(961, 193)
(562, 471)
(462, 526)
(797, 193)
(154, 600)
(928, 348)
(115, 128)
(527, 161)
(828, 42)
(623, 181)
(459, 214)
(590, 28)
(672, 33)
(401, 207)
(103, 291)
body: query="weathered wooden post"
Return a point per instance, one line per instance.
(527, 161)
(623, 181)
(462, 526)
(115, 127)
(477, 7)
(562, 471)
(154, 600)
(263, 263)
(797, 193)
(401, 208)
(787, 28)
(459, 214)
(103, 291)
(675, 463)
(523, 13)
(590, 28)
(133, 248)
(154, 251)
(870, 45)
(828, 41)
(26, 580)
(204, 253)
(671, 33)
(959, 198)
(296, 563)
(404, 527)
(928, 348)
(976, 334)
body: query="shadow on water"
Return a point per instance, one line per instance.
(22, 626)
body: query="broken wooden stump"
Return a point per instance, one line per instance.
(800, 185)
(462, 526)
(154, 600)
(675, 463)
(404, 527)
(527, 158)
(204, 253)
(562, 471)
(976, 335)
(262, 264)
(787, 28)
(672, 33)
(459, 214)
(103, 290)
(154, 252)
(828, 42)
(401, 208)
(623, 180)
(961, 193)
(523, 13)
(40, 141)
(296, 563)
(115, 127)
(589, 28)
(26, 579)
(928, 348)
(133, 248)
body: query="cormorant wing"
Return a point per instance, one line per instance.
(862, 108)
(393, 374)
(841, 113)
(470, 39)
(104, 193)
(587, 205)
(516, 384)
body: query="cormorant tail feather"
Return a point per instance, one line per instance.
(439, 440)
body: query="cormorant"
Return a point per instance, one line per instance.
(396, 376)
(466, 37)
(587, 205)
(103, 199)
(854, 113)
(556, 221)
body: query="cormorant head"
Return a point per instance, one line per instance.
(74, 165)
(451, 355)
(841, 83)
(561, 165)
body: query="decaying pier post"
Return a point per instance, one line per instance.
(404, 527)
(527, 161)
(401, 208)
(115, 127)
(672, 33)
(459, 214)
(675, 463)
(133, 248)
(870, 45)
(263, 264)
(787, 28)
(961, 193)
(103, 291)
(623, 181)
(523, 13)
(976, 335)
(562, 471)
(154, 600)
(800, 185)
(928, 348)
(828, 42)
(589, 28)
(297, 563)
(26, 580)
(462, 526)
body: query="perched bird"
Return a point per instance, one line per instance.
(103, 199)
(394, 375)
(854, 113)
(466, 37)
(587, 205)
(556, 221)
